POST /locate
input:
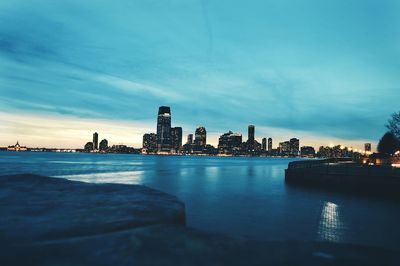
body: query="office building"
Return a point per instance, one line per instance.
(190, 139)
(307, 151)
(264, 144)
(176, 138)
(250, 134)
(149, 143)
(164, 129)
(270, 144)
(95, 141)
(230, 143)
(103, 146)
(294, 147)
(200, 137)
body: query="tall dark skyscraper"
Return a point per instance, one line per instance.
(95, 141)
(250, 133)
(294, 146)
(190, 139)
(264, 144)
(200, 137)
(164, 129)
(176, 138)
(270, 144)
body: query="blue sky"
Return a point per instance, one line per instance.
(324, 71)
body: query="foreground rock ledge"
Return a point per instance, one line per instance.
(51, 221)
(38, 208)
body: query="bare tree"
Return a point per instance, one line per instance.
(394, 124)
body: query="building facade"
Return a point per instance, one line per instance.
(149, 143)
(230, 143)
(176, 138)
(95, 141)
(164, 142)
(103, 146)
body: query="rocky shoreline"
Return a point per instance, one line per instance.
(54, 221)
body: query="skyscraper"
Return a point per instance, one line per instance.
(250, 134)
(150, 142)
(367, 147)
(176, 138)
(270, 144)
(95, 141)
(190, 139)
(164, 129)
(264, 144)
(294, 146)
(200, 137)
(103, 145)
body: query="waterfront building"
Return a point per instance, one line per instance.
(230, 143)
(200, 138)
(149, 143)
(367, 147)
(270, 145)
(164, 129)
(16, 147)
(103, 145)
(307, 151)
(264, 144)
(294, 144)
(250, 133)
(88, 147)
(190, 139)
(95, 141)
(176, 138)
(284, 148)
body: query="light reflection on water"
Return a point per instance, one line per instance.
(130, 177)
(331, 227)
(241, 197)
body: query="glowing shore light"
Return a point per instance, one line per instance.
(342, 147)
(331, 145)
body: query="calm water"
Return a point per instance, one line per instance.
(240, 197)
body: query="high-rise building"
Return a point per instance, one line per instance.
(103, 145)
(95, 141)
(200, 137)
(250, 135)
(88, 146)
(230, 143)
(294, 147)
(190, 139)
(367, 147)
(176, 138)
(284, 148)
(264, 144)
(164, 129)
(270, 144)
(307, 151)
(150, 143)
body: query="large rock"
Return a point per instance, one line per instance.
(37, 208)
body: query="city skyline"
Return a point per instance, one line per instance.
(212, 137)
(322, 72)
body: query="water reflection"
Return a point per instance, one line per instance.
(130, 177)
(330, 224)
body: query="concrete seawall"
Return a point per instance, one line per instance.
(345, 175)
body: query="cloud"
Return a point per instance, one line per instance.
(327, 70)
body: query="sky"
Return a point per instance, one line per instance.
(327, 72)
